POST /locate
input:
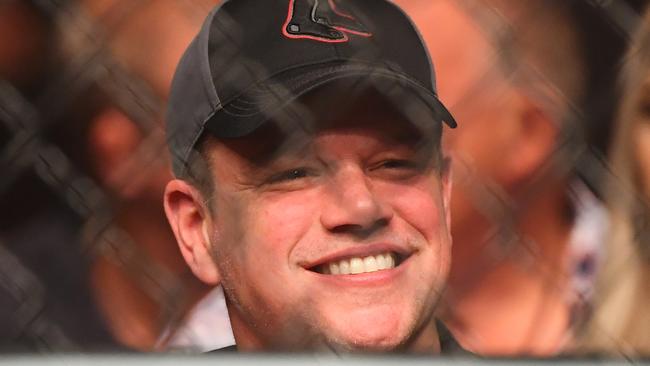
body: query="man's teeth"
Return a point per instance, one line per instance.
(359, 265)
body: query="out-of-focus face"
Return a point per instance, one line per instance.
(339, 239)
(478, 96)
(145, 43)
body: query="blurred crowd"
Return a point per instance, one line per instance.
(551, 166)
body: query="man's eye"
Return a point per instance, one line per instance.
(397, 164)
(396, 169)
(289, 175)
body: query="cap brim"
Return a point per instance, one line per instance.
(244, 114)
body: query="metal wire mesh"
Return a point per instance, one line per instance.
(88, 262)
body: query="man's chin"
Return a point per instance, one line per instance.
(375, 344)
(370, 334)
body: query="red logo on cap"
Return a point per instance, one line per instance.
(321, 20)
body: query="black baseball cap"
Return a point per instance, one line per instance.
(254, 57)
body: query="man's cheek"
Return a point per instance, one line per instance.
(283, 221)
(421, 209)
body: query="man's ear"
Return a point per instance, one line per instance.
(534, 139)
(191, 223)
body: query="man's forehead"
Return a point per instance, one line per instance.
(333, 108)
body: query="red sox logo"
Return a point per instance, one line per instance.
(321, 20)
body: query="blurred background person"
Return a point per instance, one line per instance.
(115, 112)
(620, 325)
(527, 230)
(44, 295)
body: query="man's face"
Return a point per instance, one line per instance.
(337, 238)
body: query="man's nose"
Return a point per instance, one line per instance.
(352, 205)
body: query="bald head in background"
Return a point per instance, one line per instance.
(512, 73)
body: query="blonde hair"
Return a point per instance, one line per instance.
(620, 325)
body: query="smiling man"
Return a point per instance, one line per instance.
(305, 139)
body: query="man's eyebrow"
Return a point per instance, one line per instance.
(288, 149)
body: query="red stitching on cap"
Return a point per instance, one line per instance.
(344, 30)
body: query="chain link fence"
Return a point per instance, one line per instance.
(88, 262)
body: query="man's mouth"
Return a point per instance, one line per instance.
(358, 265)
